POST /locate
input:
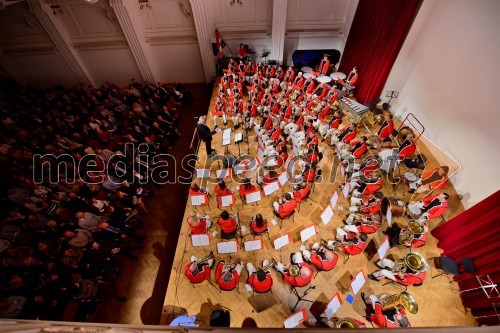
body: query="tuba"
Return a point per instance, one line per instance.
(346, 323)
(415, 261)
(205, 258)
(415, 226)
(404, 300)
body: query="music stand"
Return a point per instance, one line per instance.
(301, 297)
(238, 140)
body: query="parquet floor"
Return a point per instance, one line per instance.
(439, 301)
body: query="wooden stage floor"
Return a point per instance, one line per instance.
(438, 300)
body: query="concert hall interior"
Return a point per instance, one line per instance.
(200, 164)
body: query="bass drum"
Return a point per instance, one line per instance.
(396, 206)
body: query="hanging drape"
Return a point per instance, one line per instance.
(377, 34)
(475, 234)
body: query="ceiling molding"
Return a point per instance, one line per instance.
(170, 40)
(100, 44)
(29, 50)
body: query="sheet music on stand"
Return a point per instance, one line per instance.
(226, 137)
(238, 138)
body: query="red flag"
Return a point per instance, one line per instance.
(218, 39)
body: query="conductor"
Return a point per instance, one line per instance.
(206, 134)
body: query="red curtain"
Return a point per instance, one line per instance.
(377, 33)
(475, 234)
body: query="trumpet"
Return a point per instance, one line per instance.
(205, 258)
(268, 266)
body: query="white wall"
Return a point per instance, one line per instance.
(178, 62)
(447, 74)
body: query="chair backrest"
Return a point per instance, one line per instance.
(468, 265)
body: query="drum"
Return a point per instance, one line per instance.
(337, 75)
(308, 75)
(388, 159)
(410, 177)
(324, 79)
(306, 70)
(396, 206)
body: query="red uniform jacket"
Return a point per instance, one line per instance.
(322, 264)
(418, 240)
(227, 286)
(370, 205)
(200, 277)
(323, 67)
(407, 149)
(258, 286)
(381, 319)
(353, 248)
(411, 278)
(228, 226)
(367, 228)
(369, 167)
(308, 86)
(437, 207)
(359, 149)
(348, 134)
(199, 229)
(309, 175)
(286, 208)
(386, 129)
(299, 281)
(220, 192)
(373, 187)
(436, 184)
(335, 122)
(301, 194)
(256, 229)
(244, 191)
(352, 78)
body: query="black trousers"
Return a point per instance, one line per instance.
(208, 146)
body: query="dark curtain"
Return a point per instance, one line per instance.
(377, 34)
(475, 234)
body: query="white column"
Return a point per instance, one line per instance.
(205, 30)
(60, 37)
(126, 13)
(278, 30)
(11, 70)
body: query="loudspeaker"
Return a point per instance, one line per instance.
(220, 318)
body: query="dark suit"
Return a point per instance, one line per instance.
(206, 136)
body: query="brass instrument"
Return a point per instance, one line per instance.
(346, 323)
(407, 234)
(268, 266)
(205, 258)
(415, 261)
(294, 270)
(404, 300)
(412, 260)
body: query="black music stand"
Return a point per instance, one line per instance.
(302, 297)
(239, 141)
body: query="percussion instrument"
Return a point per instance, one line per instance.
(396, 206)
(324, 79)
(410, 177)
(354, 108)
(306, 69)
(308, 75)
(346, 323)
(407, 234)
(338, 75)
(388, 159)
(404, 300)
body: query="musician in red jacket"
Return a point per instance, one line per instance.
(346, 136)
(322, 256)
(390, 318)
(352, 243)
(368, 185)
(357, 150)
(386, 129)
(228, 275)
(323, 67)
(258, 224)
(367, 205)
(198, 271)
(417, 240)
(228, 225)
(298, 273)
(351, 79)
(247, 187)
(406, 276)
(285, 205)
(197, 224)
(259, 279)
(407, 148)
(360, 223)
(434, 206)
(431, 180)
(301, 191)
